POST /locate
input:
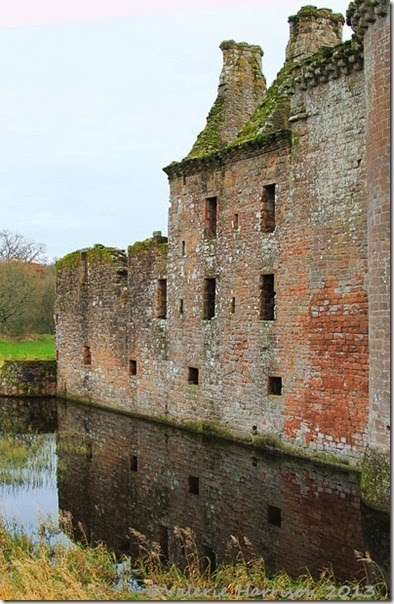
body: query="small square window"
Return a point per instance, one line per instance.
(194, 485)
(192, 377)
(275, 385)
(132, 367)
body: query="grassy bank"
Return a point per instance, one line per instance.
(40, 347)
(40, 570)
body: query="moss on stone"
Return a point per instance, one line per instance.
(227, 44)
(309, 12)
(272, 111)
(209, 139)
(96, 253)
(375, 478)
(140, 247)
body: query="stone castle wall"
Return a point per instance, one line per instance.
(254, 317)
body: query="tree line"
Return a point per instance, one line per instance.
(27, 287)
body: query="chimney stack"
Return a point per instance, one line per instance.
(241, 85)
(312, 28)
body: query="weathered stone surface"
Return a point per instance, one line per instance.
(294, 211)
(28, 378)
(310, 29)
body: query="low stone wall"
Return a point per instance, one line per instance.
(28, 378)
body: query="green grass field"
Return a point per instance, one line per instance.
(41, 348)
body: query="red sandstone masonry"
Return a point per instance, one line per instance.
(315, 350)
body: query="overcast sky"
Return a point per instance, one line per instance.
(98, 95)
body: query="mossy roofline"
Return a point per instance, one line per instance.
(309, 11)
(227, 44)
(257, 131)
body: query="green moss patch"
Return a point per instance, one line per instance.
(375, 478)
(209, 139)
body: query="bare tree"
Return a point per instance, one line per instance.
(15, 247)
(17, 292)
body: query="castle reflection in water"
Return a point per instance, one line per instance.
(117, 473)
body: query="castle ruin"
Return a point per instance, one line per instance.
(265, 315)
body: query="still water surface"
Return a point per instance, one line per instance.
(114, 473)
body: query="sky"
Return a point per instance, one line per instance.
(99, 95)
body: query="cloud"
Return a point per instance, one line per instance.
(22, 13)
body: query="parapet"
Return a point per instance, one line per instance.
(310, 29)
(361, 13)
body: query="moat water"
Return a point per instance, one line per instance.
(118, 478)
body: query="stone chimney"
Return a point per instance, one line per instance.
(241, 84)
(312, 28)
(241, 87)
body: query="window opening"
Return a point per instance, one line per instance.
(275, 385)
(268, 209)
(162, 299)
(194, 485)
(267, 300)
(209, 298)
(87, 355)
(193, 376)
(274, 515)
(132, 367)
(210, 216)
(134, 463)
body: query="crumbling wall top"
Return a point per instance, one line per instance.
(361, 13)
(312, 28)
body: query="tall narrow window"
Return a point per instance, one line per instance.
(268, 209)
(134, 463)
(209, 298)
(232, 305)
(267, 298)
(183, 247)
(87, 356)
(194, 485)
(132, 367)
(210, 216)
(162, 299)
(235, 222)
(181, 306)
